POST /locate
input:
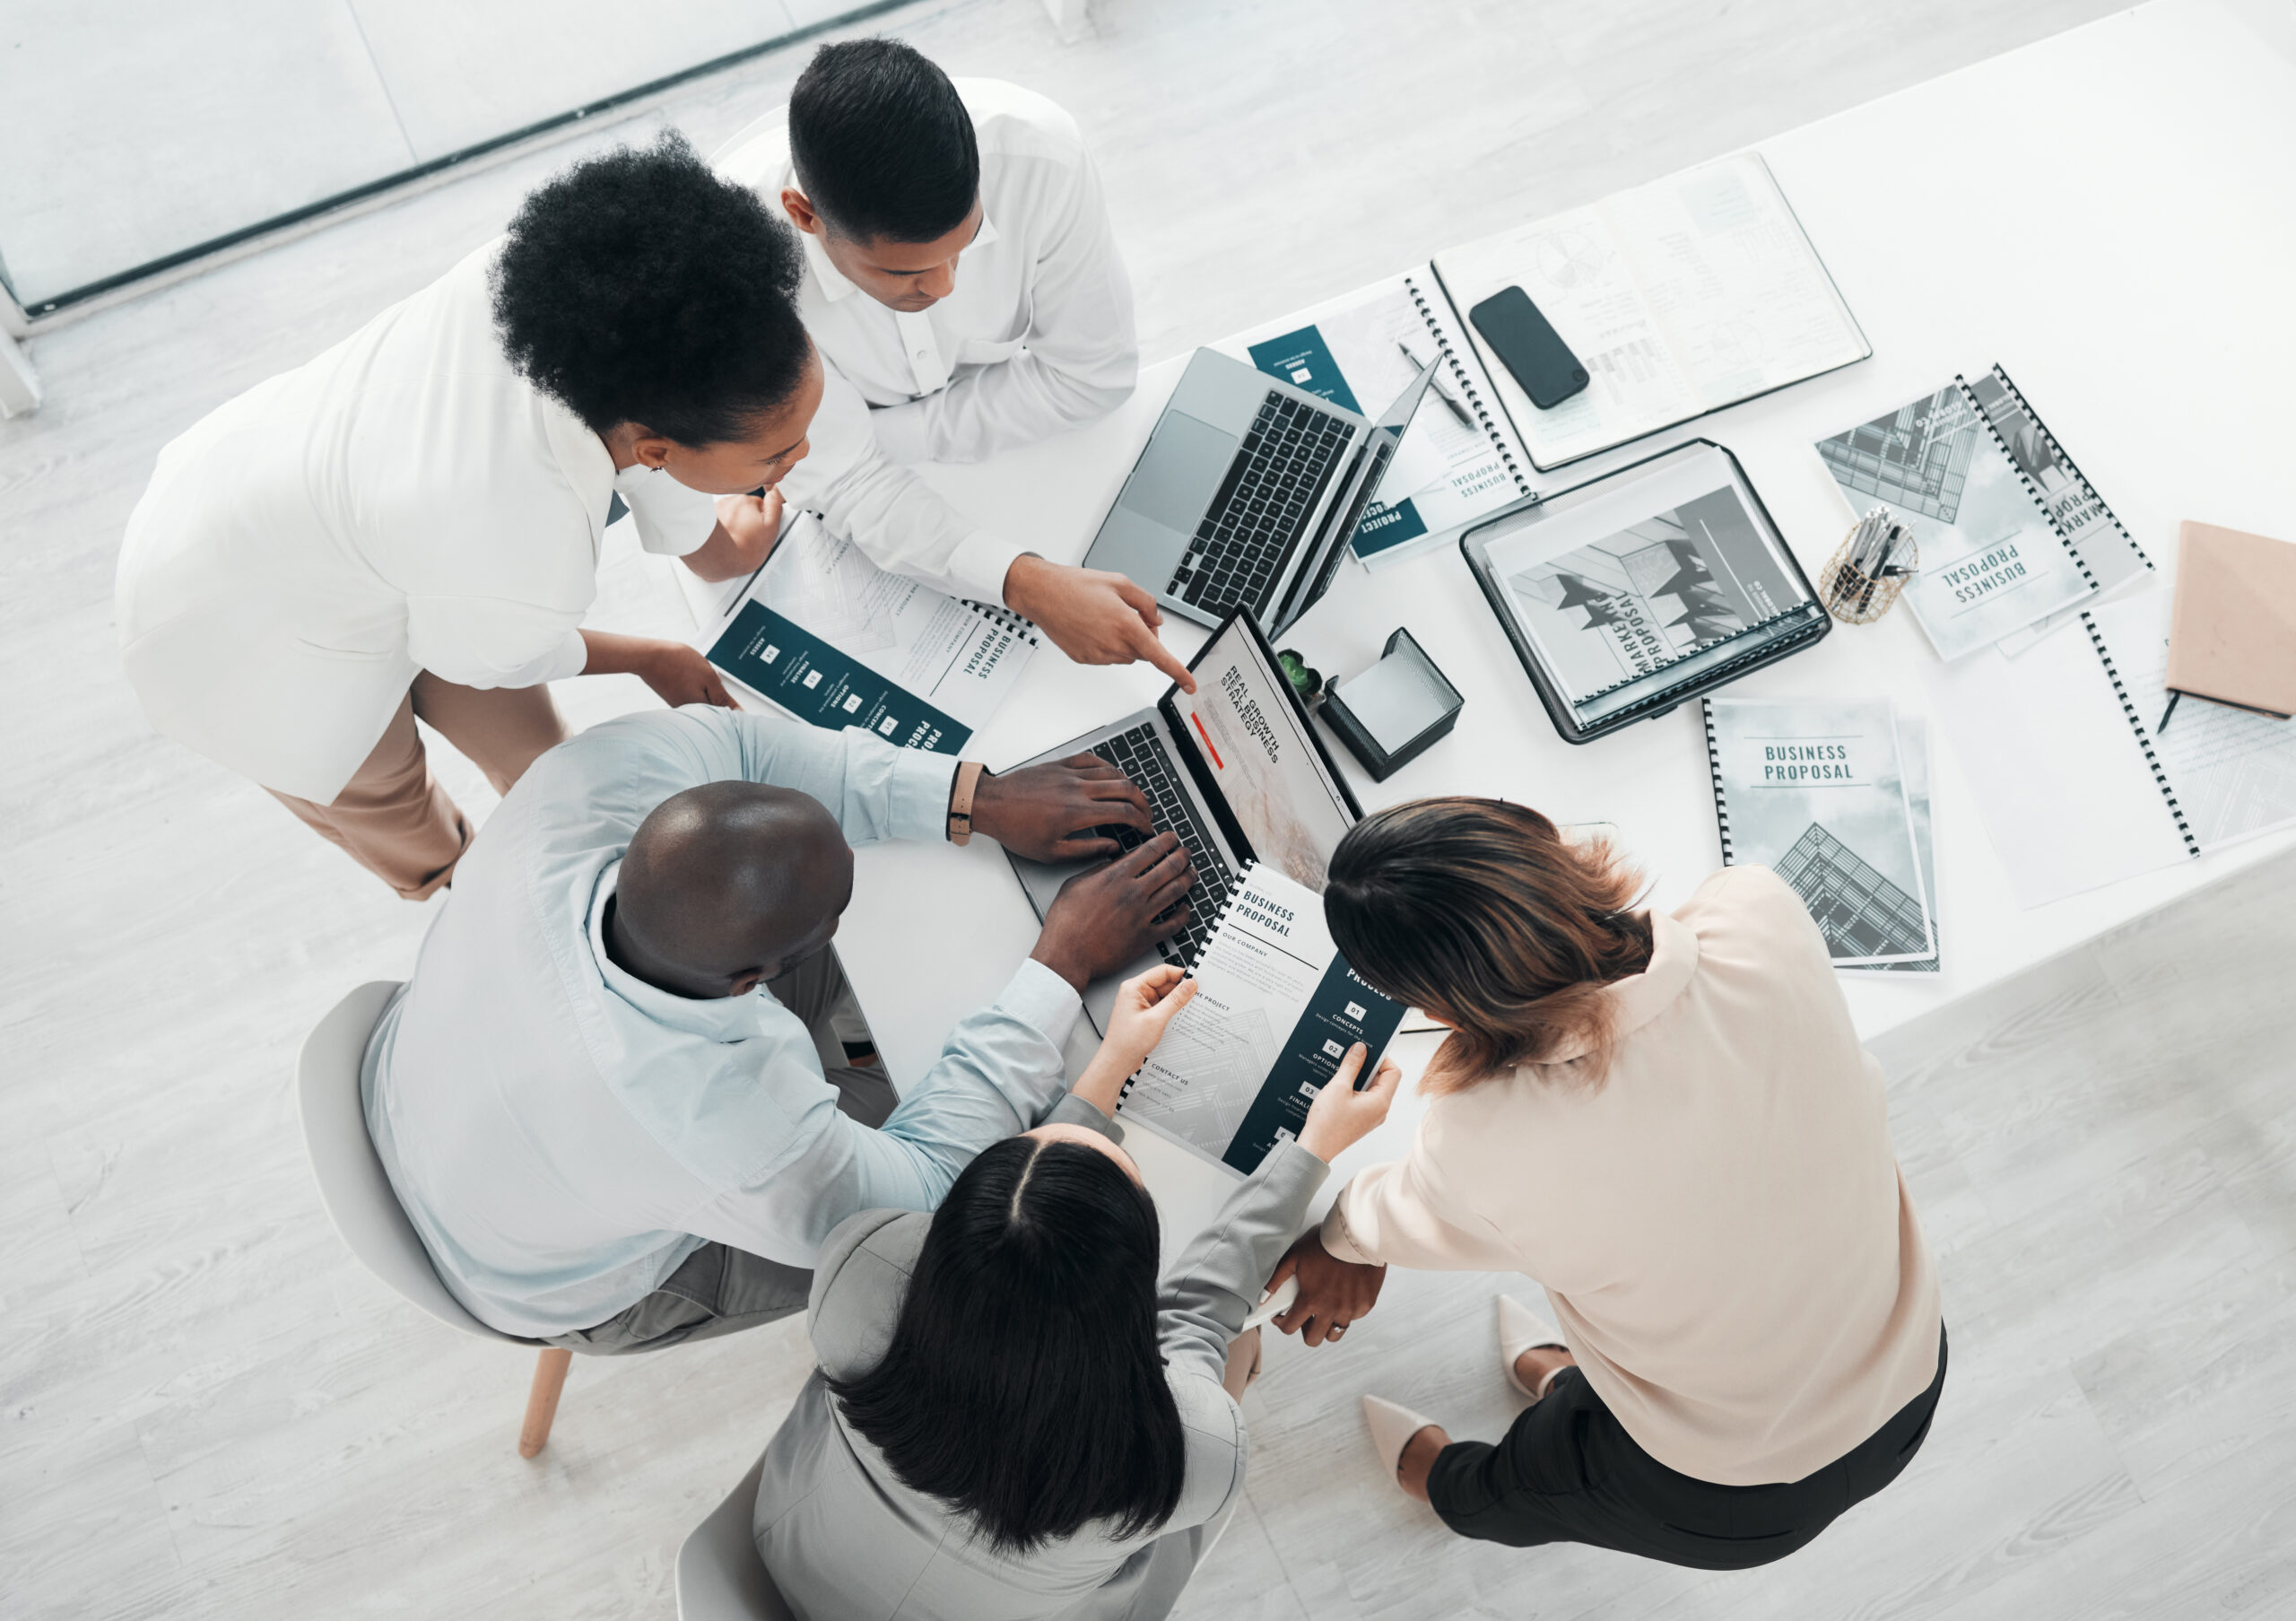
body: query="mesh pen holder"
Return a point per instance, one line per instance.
(1854, 596)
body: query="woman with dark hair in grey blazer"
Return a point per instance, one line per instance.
(1010, 1420)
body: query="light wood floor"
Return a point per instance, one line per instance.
(206, 1408)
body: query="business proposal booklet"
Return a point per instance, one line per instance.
(1814, 790)
(1994, 560)
(1276, 1008)
(824, 633)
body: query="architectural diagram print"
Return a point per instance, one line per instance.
(1650, 595)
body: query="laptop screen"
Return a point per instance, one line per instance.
(1293, 812)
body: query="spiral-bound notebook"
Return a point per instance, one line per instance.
(1459, 461)
(2012, 540)
(1815, 790)
(1276, 1008)
(1679, 297)
(821, 632)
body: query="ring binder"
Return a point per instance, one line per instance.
(2143, 734)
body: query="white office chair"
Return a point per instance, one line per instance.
(720, 1577)
(358, 1200)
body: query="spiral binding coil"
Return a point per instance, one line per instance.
(2087, 489)
(2144, 733)
(1005, 619)
(1714, 766)
(1969, 398)
(1235, 895)
(1467, 385)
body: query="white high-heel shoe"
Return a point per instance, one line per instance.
(1392, 1428)
(1522, 1330)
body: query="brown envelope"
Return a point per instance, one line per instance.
(2233, 634)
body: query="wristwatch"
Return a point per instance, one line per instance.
(961, 793)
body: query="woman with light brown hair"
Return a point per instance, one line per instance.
(1666, 1119)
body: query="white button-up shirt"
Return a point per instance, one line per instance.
(562, 1134)
(406, 501)
(1036, 338)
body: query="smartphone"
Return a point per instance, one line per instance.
(1528, 347)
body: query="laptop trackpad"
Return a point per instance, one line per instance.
(1180, 473)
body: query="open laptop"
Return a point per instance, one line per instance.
(1248, 494)
(1235, 771)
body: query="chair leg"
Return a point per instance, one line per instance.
(541, 1401)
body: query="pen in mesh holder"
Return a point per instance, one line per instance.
(1862, 580)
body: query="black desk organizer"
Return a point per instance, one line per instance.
(1367, 749)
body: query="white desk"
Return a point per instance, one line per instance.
(2107, 214)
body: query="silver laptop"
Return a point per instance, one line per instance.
(1235, 771)
(1248, 495)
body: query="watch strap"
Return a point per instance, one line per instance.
(961, 793)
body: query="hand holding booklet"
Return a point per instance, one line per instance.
(1276, 1008)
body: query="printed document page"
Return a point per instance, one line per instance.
(1679, 298)
(826, 634)
(2233, 770)
(2060, 782)
(1275, 1010)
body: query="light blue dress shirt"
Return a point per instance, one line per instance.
(562, 1135)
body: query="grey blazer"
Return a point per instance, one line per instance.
(847, 1541)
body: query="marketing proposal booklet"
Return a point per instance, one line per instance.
(1276, 1008)
(821, 632)
(1625, 595)
(1815, 791)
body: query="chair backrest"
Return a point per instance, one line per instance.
(353, 1184)
(720, 1577)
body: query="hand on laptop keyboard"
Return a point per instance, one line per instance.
(1104, 919)
(1075, 809)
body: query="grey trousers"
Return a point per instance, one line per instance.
(721, 1290)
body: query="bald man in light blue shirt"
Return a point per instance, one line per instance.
(608, 1148)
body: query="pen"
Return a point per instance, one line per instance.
(1442, 385)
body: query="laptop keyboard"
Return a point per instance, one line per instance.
(1142, 755)
(1254, 523)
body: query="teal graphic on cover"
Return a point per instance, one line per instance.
(814, 681)
(1303, 359)
(1343, 1010)
(1383, 525)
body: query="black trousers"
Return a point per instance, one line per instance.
(1567, 1471)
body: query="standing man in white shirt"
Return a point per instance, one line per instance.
(963, 285)
(408, 526)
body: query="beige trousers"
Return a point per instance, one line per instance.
(392, 817)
